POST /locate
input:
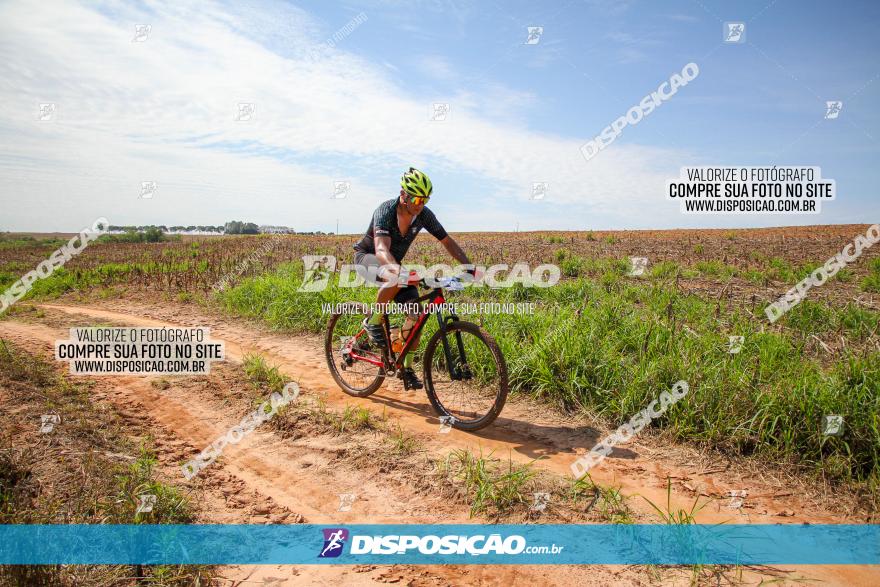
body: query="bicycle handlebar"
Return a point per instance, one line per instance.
(447, 283)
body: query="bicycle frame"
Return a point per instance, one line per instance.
(391, 360)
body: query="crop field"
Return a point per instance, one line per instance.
(625, 336)
(598, 347)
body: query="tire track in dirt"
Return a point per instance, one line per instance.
(523, 431)
(278, 477)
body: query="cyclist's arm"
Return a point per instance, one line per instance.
(382, 222)
(383, 251)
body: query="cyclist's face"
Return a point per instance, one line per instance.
(411, 206)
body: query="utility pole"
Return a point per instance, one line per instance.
(337, 226)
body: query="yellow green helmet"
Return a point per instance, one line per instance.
(416, 183)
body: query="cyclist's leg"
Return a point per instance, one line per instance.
(368, 266)
(408, 296)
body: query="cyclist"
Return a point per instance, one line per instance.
(378, 255)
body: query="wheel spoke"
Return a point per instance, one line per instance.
(470, 385)
(346, 346)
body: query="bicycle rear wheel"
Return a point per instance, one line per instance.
(469, 388)
(349, 352)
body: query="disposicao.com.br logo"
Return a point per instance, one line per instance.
(393, 544)
(334, 542)
(319, 269)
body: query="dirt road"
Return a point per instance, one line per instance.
(264, 479)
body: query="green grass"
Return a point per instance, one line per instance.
(354, 419)
(679, 516)
(665, 270)
(262, 375)
(151, 235)
(716, 269)
(267, 378)
(871, 282)
(844, 275)
(491, 487)
(610, 502)
(571, 266)
(682, 517)
(401, 442)
(138, 479)
(64, 280)
(9, 241)
(754, 276)
(7, 279)
(612, 506)
(781, 270)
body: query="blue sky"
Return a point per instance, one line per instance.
(163, 109)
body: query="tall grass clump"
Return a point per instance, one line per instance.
(871, 282)
(489, 485)
(261, 374)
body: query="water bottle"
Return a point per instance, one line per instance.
(396, 340)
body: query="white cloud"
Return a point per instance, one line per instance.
(157, 110)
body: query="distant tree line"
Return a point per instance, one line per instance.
(163, 228)
(131, 234)
(154, 233)
(239, 227)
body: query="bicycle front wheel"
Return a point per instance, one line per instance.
(465, 376)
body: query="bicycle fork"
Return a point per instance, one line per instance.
(458, 367)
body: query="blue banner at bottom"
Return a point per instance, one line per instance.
(526, 544)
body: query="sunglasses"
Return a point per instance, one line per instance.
(418, 200)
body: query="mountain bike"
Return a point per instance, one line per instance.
(465, 375)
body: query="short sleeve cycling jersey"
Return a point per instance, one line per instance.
(384, 223)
